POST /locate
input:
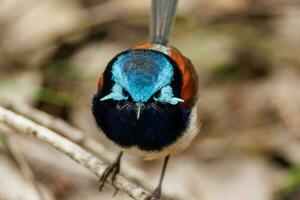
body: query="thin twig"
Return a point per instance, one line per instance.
(59, 126)
(72, 150)
(75, 135)
(17, 155)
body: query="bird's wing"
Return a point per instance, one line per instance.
(189, 77)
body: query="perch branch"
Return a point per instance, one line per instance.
(63, 128)
(72, 150)
(59, 126)
(17, 155)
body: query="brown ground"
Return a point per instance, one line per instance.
(246, 53)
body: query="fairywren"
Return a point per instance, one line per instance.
(146, 98)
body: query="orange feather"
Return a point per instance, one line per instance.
(100, 82)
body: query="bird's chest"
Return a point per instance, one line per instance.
(156, 129)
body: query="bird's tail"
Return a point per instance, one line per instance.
(163, 12)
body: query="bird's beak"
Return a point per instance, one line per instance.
(138, 107)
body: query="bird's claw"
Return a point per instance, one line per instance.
(112, 170)
(155, 195)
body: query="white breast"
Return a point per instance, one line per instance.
(181, 144)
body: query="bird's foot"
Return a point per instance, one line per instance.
(155, 195)
(112, 170)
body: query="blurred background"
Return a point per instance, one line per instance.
(247, 55)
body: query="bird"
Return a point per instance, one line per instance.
(146, 102)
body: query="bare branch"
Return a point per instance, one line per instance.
(59, 126)
(72, 150)
(20, 160)
(63, 128)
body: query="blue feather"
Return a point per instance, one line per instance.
(167, 96)
(142, 73)
(116, 94)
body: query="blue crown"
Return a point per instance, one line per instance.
(142, 73)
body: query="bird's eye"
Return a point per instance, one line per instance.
(125, 93)
(156, 94)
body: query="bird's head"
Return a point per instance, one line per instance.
(139, 78)
(145, 97)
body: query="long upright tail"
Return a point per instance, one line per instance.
(163, 12)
